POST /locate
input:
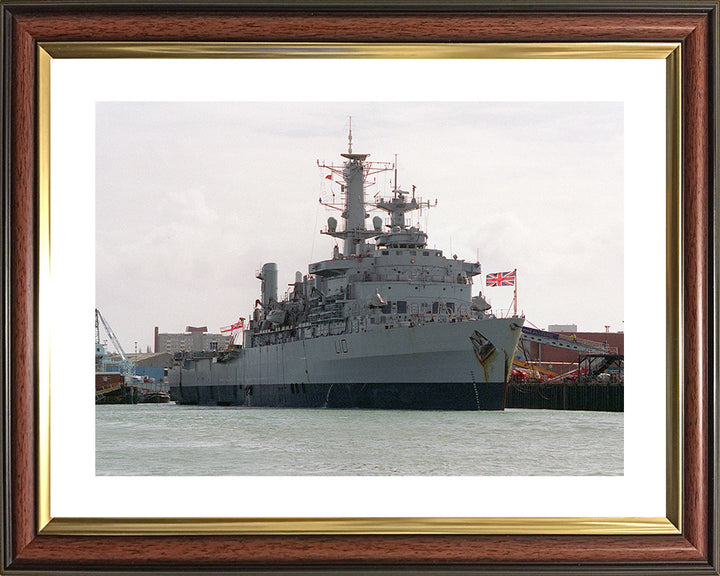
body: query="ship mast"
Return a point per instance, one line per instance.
(354, 173)
(398, 205)
(354, 176)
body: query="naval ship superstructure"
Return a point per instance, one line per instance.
(387, 323)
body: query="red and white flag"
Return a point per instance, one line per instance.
(233, 329)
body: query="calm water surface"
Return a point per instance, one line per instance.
(173, 440)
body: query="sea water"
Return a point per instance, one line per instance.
(174, 440)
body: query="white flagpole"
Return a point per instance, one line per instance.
(515, 297)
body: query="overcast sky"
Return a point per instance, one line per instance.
(192, 199)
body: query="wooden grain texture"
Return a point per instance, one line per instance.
(368, 28)
(688, 552)
(217, 552)
(22, 286)
(695, 210)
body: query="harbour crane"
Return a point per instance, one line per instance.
(126, 365)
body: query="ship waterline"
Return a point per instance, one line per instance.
(370, 395)
(386, 323)
(440, 365)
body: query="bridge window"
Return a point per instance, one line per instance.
(402, 307)
(435, 307)
(450, 307)
(386, 309)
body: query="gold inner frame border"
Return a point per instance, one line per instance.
(671, 524)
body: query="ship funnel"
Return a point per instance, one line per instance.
(332, 224)
(377, 223)
(269, 283)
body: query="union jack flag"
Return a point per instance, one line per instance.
(500, 279)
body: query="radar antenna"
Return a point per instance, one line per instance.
(395, 172)
(350, 137)
(354, 172)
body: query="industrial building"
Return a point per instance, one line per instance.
(195, 339)
(151, 365)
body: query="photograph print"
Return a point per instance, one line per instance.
(359, 288)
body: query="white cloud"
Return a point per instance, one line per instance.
(192, 198)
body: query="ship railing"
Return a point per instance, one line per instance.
(504, 312)
(599, 347)
(406, 276)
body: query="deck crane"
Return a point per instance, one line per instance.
(127, 366)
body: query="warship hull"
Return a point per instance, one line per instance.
(462, 365)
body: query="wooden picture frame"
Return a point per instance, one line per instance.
(31, 546)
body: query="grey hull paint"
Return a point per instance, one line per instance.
(444, 365)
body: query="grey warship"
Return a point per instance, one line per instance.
(387, 323)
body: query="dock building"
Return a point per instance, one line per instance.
(559, 359)
(194, 339)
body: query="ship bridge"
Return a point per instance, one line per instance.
(403, 238)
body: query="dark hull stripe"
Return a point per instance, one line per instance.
(392, 396)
